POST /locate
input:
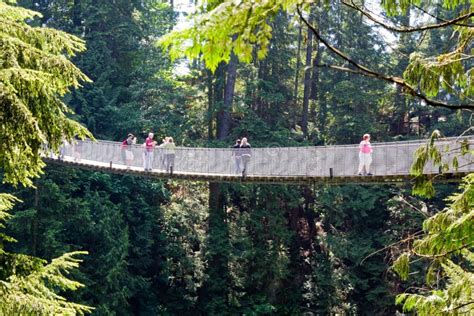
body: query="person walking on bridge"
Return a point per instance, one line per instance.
(148, 154)
(246, 154)
(127, 149)
(161, 153)
(169, 148)
(365, 155)
(237, 155)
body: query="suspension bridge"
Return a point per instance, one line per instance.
(391, 162)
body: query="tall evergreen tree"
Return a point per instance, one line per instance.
(34, 74)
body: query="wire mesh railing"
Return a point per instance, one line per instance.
(388, 159)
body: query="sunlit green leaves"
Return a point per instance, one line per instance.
(395, 7)
(444, 157)
(34, 74)
(401, 265)
(35, 293)
(241, 27)
(449, 233)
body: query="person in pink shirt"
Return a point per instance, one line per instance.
(148, 155)
(365, 155)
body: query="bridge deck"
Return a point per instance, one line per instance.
(328, 164)
(157, 174)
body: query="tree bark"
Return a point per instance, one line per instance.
(223, 120)
(213, 297)
(210, 105)
(307, 82)
(298, 62)
(315, 80)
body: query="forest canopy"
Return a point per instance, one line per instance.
(280, 73)
(221, 28)
(34, 74)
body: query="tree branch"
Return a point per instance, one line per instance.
(365, 71)
(406, 29)
(437, 17)
(404, 85)
(411, 237)
(461, 306)
(443, 254)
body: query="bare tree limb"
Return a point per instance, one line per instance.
(365, 71)
(437, 17)
(409, 238)
(406, 29)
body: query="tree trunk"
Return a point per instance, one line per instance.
(223, 117)
(76, 13)
(298, 61)
(213, 296)
(307, 82)
(315, 80)
(210, 105)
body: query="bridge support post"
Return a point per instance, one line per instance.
(331, 174)
(111, 164)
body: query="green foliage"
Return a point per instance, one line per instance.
(154, 248)
(29, 285)
(448, 241)
(443, 158)
(226, 28)
(395, 7)
(184, 232)
(35, 292)
(448, 234)
(401, 265)
(6, 203)
(244, 29)
(34, 74)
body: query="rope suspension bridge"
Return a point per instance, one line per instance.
(321, 164)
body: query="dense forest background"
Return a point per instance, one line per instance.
(174, 247)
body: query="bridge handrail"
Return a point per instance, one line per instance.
(374, 144)
(389, 159)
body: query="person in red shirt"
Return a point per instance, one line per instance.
(149, 147)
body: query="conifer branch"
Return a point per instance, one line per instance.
(461, 306)
(411, 237)
(443, 254)
(437, 17)
(365, 71)
(408, 29)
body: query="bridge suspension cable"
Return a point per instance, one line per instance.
(336, 164)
